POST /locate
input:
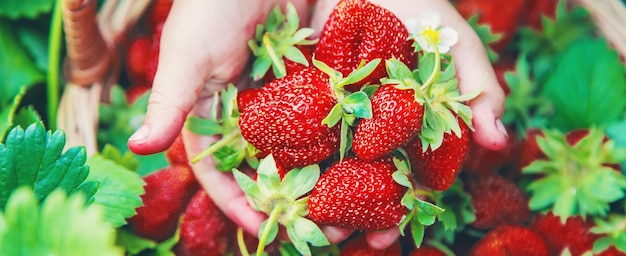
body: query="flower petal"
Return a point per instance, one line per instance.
(448, 36)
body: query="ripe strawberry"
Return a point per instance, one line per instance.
(287, 115)
(359, 195)
(167, 192)
(136, 91)
(158, 13)
(439, 168)
(204, 229)
(397, 117)
(496, 201)
(427, 251)
(358, 246)
(574, 234)
(528, 149)
(503, 18)
(538, 9)
(511, 240)
(137, 58)
(482, 161)
(176, 153)
(245, 98)
(359, 30)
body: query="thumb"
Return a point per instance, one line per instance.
(179, 78)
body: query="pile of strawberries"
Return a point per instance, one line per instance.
(363, 129)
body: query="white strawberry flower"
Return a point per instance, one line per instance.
(428, 32)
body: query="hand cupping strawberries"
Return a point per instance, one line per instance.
(357, 129)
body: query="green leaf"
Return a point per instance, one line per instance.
(249, 187)
(270, 228)
(298, 182)
(7, 115)
(34, 39)
(33, 157)
(335, 115)
(203, 126)
(28, 229)
(127, 160)
(119, 189)
(132, 243)
(14, 9)
(426, 66)
(359, 104)
(486, 36)
(417, 231)
(16, 68)
(587, 87)
(310, 232)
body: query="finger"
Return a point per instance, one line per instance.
(475, 72)
(335, 234)
(222, 187)
(382, 239)
(179, 78)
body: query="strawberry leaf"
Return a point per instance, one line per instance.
(575, 179)
(127, 160)
(486, 36)
(119, 189)
(613, 232)
(417, 230)
(358, 104)
(13, 9)
(16, 68)
(33, 157)
(298, 182)
(28, 229)
(586, 89)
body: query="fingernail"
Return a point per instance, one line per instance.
(140, 134)
(501, 128)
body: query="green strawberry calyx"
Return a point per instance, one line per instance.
(284, 202)
(421, 213)
(350, 106)
(276, 39)
(576, 179)
(436, 89)
(232, 149)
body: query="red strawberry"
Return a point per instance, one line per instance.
(137, 58)
(136, 91)
(509, 240)
(397, 117)
(439, 168)
(496, 201)
(359, 195)
(287, 114)
(245, 98)
(204, 229)
(503, 18)
(427, 251)
(359, 30)
(176, 153)
(159, 12)
(482, 161)
(167, 192)
(358, 246)
(529, 150)
(537, 9)
(574, 234)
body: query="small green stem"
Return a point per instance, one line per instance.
(54, 49)
(242, 243)
(263, 239)
(215, 146)
(436, 67)
(278, 62)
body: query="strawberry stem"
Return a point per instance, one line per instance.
(273, 218)
(215, 146)
(241, 243)
(280, 65)
(436, 68)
